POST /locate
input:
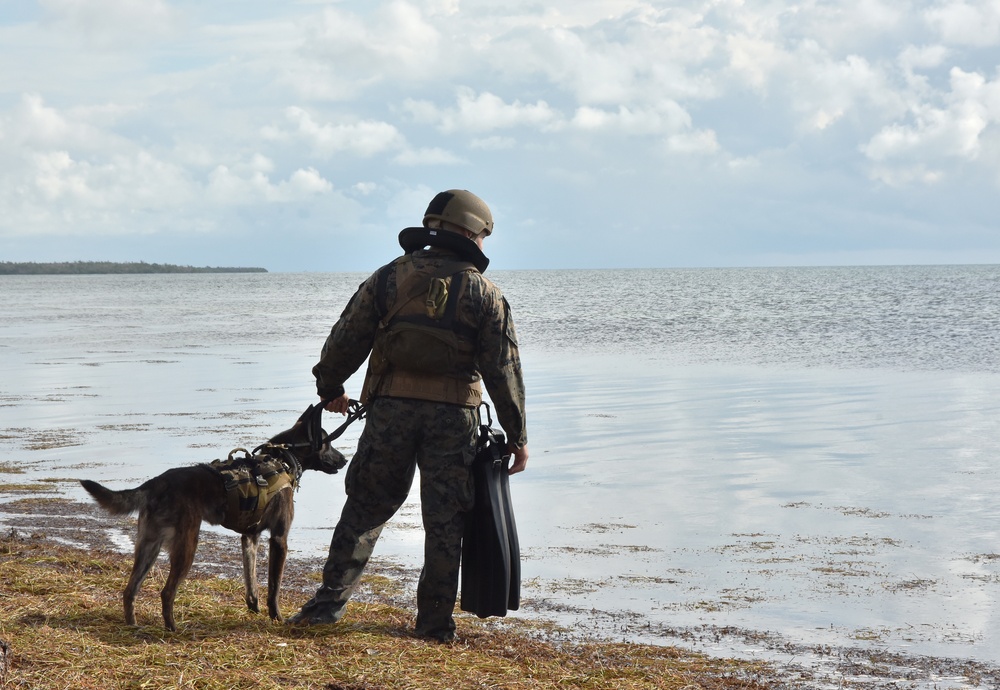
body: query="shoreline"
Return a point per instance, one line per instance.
(24, 268)
(49, 517)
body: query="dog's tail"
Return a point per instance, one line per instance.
(115, 502)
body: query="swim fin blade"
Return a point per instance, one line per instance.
(491, 556)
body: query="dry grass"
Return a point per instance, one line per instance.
(60, 611)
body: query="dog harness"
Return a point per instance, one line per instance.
(251, 482)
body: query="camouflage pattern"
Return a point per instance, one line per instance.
(482, 307)
(402, 434)
(399, 436)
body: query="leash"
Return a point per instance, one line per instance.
(355, 411)
(313, 417)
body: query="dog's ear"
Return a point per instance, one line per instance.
(289, 435)
(313, 419)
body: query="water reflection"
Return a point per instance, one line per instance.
(826, 503)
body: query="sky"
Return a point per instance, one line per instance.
(303, 135)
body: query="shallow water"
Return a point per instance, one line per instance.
(805, 452)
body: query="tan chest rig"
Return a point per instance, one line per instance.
(251, 482)
(421, 348)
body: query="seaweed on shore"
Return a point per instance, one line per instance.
(61, 617)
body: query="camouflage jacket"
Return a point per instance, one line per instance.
(482, 308)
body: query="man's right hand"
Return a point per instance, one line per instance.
(338, 404)
(520, 459)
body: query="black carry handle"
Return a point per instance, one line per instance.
(487, 429)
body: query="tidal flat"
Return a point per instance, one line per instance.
(837, 516)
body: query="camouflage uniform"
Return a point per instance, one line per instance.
(402, 434)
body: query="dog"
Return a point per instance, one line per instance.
(173, 505)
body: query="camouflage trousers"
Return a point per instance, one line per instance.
(401, 435)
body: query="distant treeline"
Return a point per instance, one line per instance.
(94, 267)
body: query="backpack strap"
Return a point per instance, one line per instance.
(412, 286)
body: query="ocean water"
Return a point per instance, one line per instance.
(806, 454)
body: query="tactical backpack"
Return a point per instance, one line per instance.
(421, 348)
(251, 482)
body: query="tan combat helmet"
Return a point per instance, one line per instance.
(462, 208)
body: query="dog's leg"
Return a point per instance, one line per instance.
(147, 548)
(275, 570)
(182, 550)
(278, 552)
(249, 543)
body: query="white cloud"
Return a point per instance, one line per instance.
(829, 89)
(701, 141)
(667, 116)
(922, 57)
(394, 39)
(53, 192)
(905, 175)
(912, 59)
(967, 23)
(493, 143)
(32, 123)
(753, 59)
(226, 186)
(364, 138)
(364, 188)
(635, 55)
(484, 113)
(147, 114)
(118, 23)
(934, 134)
(427, 156)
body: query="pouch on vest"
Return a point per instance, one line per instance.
(421, 333)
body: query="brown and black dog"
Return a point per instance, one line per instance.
(173, 505)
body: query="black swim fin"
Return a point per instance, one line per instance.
(491, 557)
(513, 545)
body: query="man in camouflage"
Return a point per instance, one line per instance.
(434, 328)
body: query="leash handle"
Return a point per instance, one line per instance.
(355, 411)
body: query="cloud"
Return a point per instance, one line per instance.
(753, 60)
(632, 57)
(933, 134)
(484, 112)
(34, 124)
(114, 23)
(364, 138)
(394, 39)
(143, 115)
(55, 193)
(427, 156)
(836, 88)
(665, 117)
(701, 141)
(493, 143)
(229, 187)
(65, 172)
(964, 23)
(365, 188)
(70, 173)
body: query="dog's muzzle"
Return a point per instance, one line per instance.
(330, 460)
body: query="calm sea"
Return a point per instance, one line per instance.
(806, 452)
